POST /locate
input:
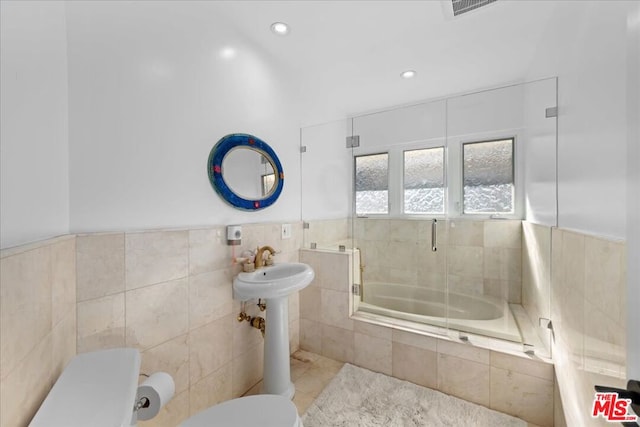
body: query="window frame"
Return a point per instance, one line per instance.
(513, 176)
(404, 150)
(453, 179)
(353, 193)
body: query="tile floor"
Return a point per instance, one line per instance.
(310, 374)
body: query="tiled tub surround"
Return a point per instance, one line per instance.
(588, 308)
(167, 293)
(512, 384)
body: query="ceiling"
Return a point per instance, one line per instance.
(345, 57)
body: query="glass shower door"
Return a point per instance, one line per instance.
(399, 215)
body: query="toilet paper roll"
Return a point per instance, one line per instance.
(158, 389)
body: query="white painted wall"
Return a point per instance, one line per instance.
(633, 192)
(150, 94)
(585, 46)
(326, 172)
(34, 147)
(540, 153)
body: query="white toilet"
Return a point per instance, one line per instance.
(99, 389)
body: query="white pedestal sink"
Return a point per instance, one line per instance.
(274, 284)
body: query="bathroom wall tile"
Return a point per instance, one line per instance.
(210, 297)
(414, 364)
(294, 336)
(503, 234)
(157, 313)
(211, 390)
(63, 343)
(403, 230)
(376, 229)
(171, 357)
(415, 340)
(399, 255)
(404, 276)
(25, 305)
(63, 279)
(208, 250)
(176, 411)
(604, 341)
(465, 261)
(101, 323)
(100, 265)
(464, 379)
(605, 281)
(569, 296)
(245, 337)
(337, 344)
(210, 347)
(335, 309)
(335, 271)
(466, 233)
(252, 237)
(464, 351)
(373, 330)
(155, 257)
(310, 303)
(503, 264)
(372, 353)
(558, 410)
(522, 365)
(311, 336)
(247, 370)
(24, 388)
(523, 396)
(294, 306)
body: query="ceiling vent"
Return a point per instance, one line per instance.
(464, 6)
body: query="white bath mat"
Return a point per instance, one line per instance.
(359, 397)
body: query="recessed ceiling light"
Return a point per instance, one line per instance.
(409, 74)
(280, 28)
(228, 53)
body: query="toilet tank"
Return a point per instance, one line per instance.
(96, 389)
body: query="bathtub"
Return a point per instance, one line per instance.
(478, 314)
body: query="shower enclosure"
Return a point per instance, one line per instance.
(445, 207)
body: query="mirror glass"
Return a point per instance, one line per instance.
(245, 172)
(248, 173)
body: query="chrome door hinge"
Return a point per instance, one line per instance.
(303, 148)
(353, 141)
(551, 112)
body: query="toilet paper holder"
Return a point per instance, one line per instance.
(155, 392)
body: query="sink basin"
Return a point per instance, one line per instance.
(278, 280)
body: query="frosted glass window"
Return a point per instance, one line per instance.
(372, 184)
(424, 181)
(488, 177)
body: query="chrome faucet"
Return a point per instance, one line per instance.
(259, 261)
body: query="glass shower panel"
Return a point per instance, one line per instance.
(326, 173)
(403, 250)
(502, 204)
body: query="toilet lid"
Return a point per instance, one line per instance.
(264, 410)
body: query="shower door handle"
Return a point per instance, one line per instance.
(434, 235)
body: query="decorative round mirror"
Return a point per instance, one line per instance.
(245, 172)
